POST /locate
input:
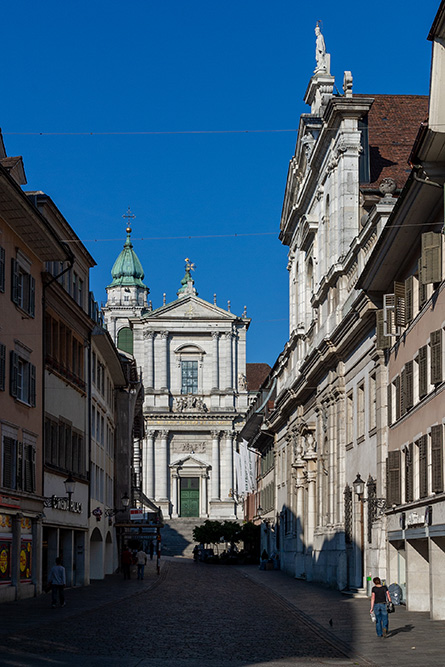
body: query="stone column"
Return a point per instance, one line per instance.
(148, 464)
(37, 553)
(311, 519)
(215, 352)
(162, 467)
(228, 360)
(175, 482)
(215, 466)
(15, 555)
(228, 482)
(163, 375)
(149, 359)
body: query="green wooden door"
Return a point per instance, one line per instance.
(189, 496)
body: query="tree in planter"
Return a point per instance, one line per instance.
(210, 532)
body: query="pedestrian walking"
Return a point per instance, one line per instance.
(57, 579)
(127, 562)
(151, 549)
(379, 597)
(141, 562)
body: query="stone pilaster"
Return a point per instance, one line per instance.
(162, 467)
(215, 466)
(148, 464)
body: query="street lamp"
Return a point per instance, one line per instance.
(54, 501)
(125, 500)
(359, 486)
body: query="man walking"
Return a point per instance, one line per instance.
(141, 560)
(57, 579)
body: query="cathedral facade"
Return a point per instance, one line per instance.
(193, 359)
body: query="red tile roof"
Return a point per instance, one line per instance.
(256, 374)
(393, 122)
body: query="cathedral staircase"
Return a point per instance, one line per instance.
(177, 536)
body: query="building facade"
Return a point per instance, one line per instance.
(26, 243)
(408, 288)
(329, 415)
(193, 359)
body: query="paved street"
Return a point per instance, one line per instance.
(197, 615)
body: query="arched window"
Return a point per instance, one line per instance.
(125, 340)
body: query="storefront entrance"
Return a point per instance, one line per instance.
(189, 496)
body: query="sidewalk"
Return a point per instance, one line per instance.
(413, 639)
(22, 614)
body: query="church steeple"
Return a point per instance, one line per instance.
(127, 287)
(187, 282)
(127, 269)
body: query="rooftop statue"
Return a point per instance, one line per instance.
(320, 51)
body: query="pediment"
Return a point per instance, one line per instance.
(190, 308)
(189, 462)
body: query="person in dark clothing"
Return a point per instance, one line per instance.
(57, 579)
(127, 561)
(151, 549)
(379, 597)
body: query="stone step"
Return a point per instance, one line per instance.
(177, 536)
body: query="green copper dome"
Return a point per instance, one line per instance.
(127, 269)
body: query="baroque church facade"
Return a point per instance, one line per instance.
(193, 359)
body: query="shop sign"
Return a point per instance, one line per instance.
(415, 520)
(136, 514)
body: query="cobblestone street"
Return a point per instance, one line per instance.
(192, 614)
(197, 615)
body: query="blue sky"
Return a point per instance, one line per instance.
(111, 67)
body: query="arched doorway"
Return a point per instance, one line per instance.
(96, 555)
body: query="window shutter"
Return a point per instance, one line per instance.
(29, 468)
(389, 325)
(383, 342)
(2, 269)
(398, 396)
(437, 458)
(409, 474)
(61, 449)
(423, 371)
(423, 466)
(32, 385)
(422, 291)
(403, 392)
(436, 356)
(389, 394)
(32, 296)
(14, 281)
(400, 304)
(2, 367)
(393, 488)
(431, 259)
(409, 386)
(14, 365)
(19, 468)
(8, 465)
(409, 299)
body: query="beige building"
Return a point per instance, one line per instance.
(26, 243)
(406, 277)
